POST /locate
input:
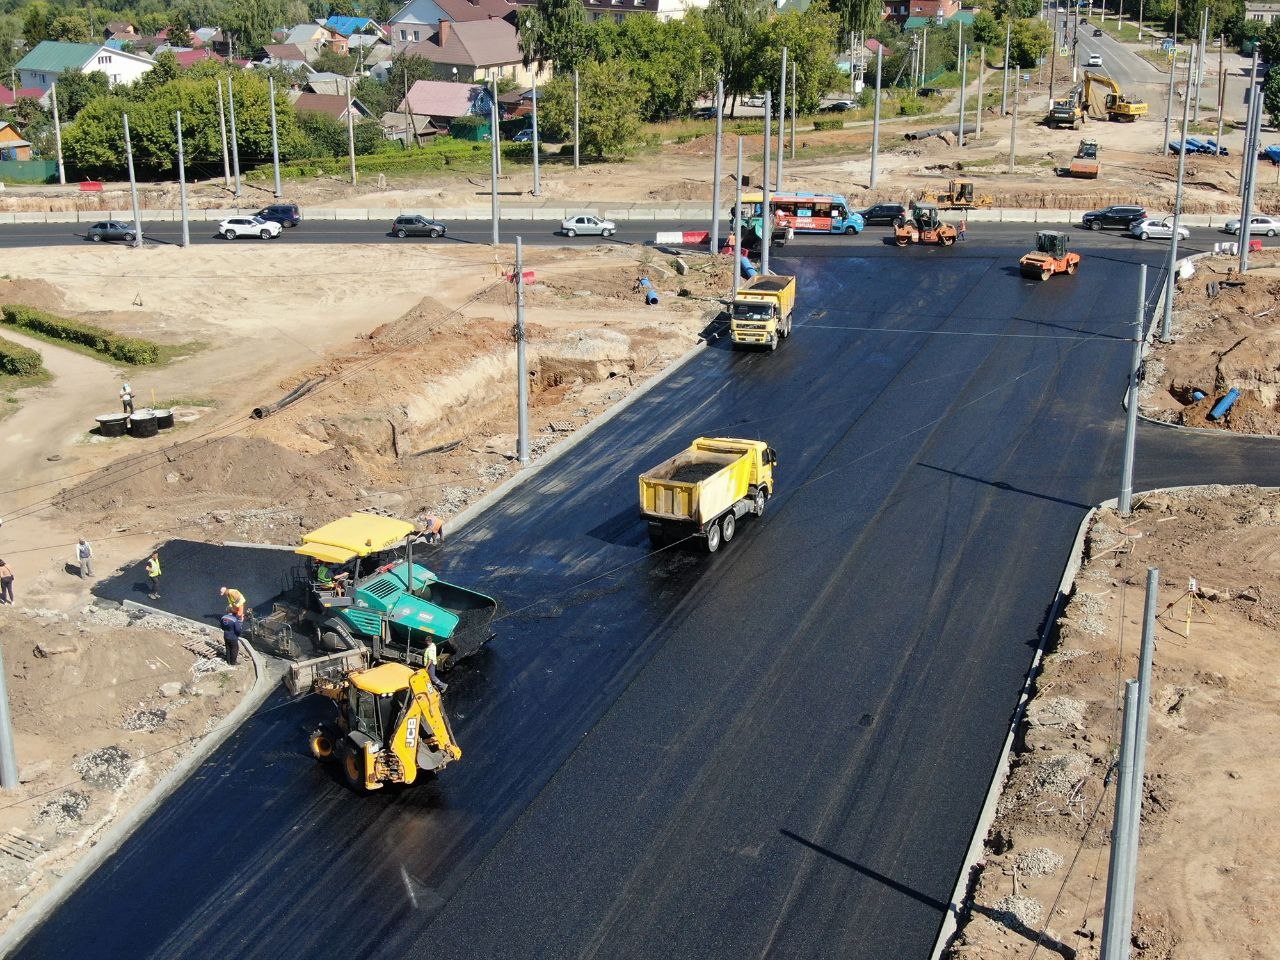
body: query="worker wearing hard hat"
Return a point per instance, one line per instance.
(235, 600)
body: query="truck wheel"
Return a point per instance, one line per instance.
(728, 526)
(760, 501)
(1072, 267)
(713, 538)
(322, 745)
(773, 344)
(353, 767)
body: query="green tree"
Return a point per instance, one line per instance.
(36, 23)
(179, 34)
(1271, 96)
(556, 31)
(863, 15)
(609, 122)
(165, 70)
(251, 21)
(810, 38)
(731, 25)
(676, 66)
(330, 61)
(1269, 44)
(77, 90)
(987, 30)
(1029, 41)
(70, 27)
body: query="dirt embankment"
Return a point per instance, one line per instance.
(1224, 337)
(1207, 884)
(103, 705)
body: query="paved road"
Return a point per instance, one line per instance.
(780, 750)
(535, 232)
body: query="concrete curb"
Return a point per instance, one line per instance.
(120, 831)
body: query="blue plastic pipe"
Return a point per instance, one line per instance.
(748, 271)
(1197, 395)
(650, 294)
(1222, 406)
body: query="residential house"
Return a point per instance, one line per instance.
(119, 29)
(935, 11)
(1264, 11)
(12, 146)
(350, 26)
(284, 55)
(416, 21)
(331, 83)
(311, 38)
(9, 97)
(189, 58)
(440, 102)
(51, 58)
(333, 106)
(474, 50)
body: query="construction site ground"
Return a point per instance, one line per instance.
(415, 414)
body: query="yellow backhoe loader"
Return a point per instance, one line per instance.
(959, 195)
(1112, 104)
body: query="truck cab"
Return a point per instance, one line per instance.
(761, 313)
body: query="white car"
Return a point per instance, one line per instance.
(1258, 225)
(233, 228)
(588, 226)
(1095, 60)
(1157, 228)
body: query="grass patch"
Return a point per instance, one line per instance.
(170, 402)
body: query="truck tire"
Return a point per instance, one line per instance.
(713, 537)
(352, 762)
(322, 745)
(761, 498)
(728, 526)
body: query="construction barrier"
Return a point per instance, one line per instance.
(683, 236)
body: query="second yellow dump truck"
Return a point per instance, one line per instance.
(761, 314)
(705, 489)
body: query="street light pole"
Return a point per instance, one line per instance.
(782, 120)
(522, 370)
(575, 118)
(235, 143)
(537, 173)
(1131, 411)
(222, 128)
(275, 140)
(1004, 84)
(1171, 286)
(766, 216)
(1013, 125)
(57, 134)
(494, 213)
(737, 224)
(182, 183)
(964, 82)
(875, 121)
(714, 245)
(133, 185)
(1168, 112)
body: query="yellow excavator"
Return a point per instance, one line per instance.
(1113, 104)
(959, 195)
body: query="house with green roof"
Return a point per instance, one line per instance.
(42, 67)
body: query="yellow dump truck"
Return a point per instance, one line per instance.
(704, 490)
(761, 314)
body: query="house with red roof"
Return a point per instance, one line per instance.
(189, 58)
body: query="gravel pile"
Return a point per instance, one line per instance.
(1040, 862)
(1015, 911)
(1056, 713)
(67, 809)
(1086, 611)
(1059, 774)
(109, 768)
(146, 721)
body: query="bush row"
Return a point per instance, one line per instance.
(124, 349)
(828, 124)
(439, 156)
(17, 359)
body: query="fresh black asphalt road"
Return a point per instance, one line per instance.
(540, 232)
(780, 750)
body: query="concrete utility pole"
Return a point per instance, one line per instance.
(351, 135)
(852, 82)
(1168, 112)
(924, 55)
(494, 213)
(1013, 125)
(737, 224)
(275, 139)
(182, 183)
(1140, 15)
(8, 758)
(496, 136)
(1204, 39)
(793, 111)
(766, 216)
(964, 83)
(133, 186)
(982, 69)
(235, 143)
(714, 245)
(1251, 93)
(875, 121)
(1172, 287)
(537, 173)
(1004, 83)
(1251, 177)
(1131, 409)
(1222, 93)
(575, 118)
(1113, 940)
(410, 129)
(782, 120)
(1053, 57)
(222, 127)
(57, 133)
(522, 369)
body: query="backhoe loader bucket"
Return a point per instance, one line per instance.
(302, 676)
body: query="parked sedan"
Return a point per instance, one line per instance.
(885, 213)
(233, 228)
(111, 230)
(588, 226)
(1258, 225)
(838, 106)
(416, 225)
(523, 136)
(1153, 227)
